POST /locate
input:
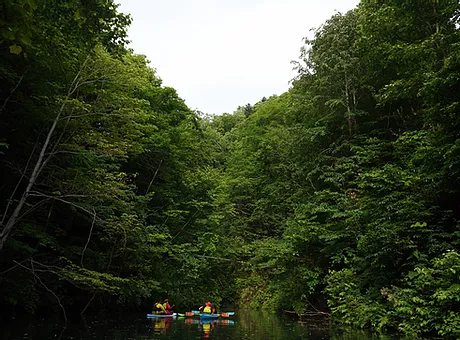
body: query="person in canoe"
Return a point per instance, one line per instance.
(158, 308)
(208, 308)
(167, 307)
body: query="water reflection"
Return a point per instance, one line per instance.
(261, 325)
(243, 326)
(160, 325)
(207, 326)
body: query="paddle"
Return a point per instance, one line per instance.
(226, 315)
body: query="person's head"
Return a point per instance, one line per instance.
(166, 300)
(208, 304)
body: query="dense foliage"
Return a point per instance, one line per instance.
(102, 195)
(340, 195)
(346, 187)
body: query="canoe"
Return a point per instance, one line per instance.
(209, 316)
(153, 316)
(223, 314)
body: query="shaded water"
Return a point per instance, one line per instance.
(244, 325)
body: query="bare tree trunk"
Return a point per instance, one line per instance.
(153, 178)
(39, 164)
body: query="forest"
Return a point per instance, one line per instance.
(340, 196)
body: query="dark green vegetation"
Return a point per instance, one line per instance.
(341, 194)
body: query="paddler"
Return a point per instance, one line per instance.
(158, 308)
(167, 307)
(208, 308)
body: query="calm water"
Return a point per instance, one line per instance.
(244, 325)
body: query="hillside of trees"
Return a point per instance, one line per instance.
(339, 196)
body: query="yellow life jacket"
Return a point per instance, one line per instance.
(160, 307)
(207, 310)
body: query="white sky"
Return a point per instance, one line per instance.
(220, 54)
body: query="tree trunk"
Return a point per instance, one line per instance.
(12, 220)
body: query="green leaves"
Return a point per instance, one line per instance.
(346, 175)
(15, 49)
(344, 188)
(118, 135)
(427, 305)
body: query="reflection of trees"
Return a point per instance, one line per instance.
(261, 325)
(265, 325)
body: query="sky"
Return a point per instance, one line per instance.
(221, 54)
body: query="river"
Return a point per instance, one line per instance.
(244, 325)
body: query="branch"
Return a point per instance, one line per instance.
(39, 163)
(49, 290)
(49, 269)
(14, 89)
(56, 144)
(87, 305)
(91, 114)
(86, 245)
(10, 269)
(154, 175)
(184, 226)
(35, 206)
(87, 154)
(100, 80)
(60, 199)
(40, 194)
(318, 313)
(23, 173)
(220, 258)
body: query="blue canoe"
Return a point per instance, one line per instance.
(197, 312)
(209, 316)
(152, 316)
